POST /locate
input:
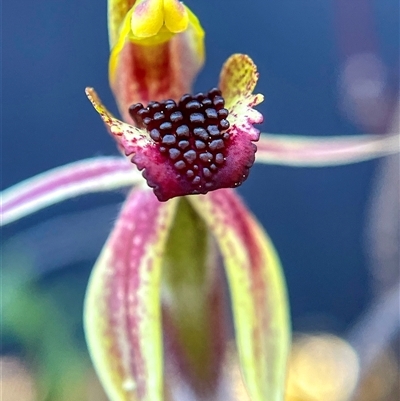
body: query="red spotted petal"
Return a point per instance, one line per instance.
(123, 307)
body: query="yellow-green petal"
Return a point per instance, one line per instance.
(258, 292)
(123, 309)
(194, 311)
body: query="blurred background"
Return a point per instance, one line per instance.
(327, 67)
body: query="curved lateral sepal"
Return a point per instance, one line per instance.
(123, 307)
(258, 293)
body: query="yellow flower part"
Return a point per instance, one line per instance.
(148, 18)
(158, 19)
(152, 22)
(157, 49)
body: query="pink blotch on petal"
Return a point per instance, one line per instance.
(142, 8)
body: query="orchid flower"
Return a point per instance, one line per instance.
(155, 313)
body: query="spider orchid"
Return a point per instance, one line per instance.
(155, 313)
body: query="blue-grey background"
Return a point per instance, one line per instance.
(52, 50)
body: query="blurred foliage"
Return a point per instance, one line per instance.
(40, 324)
(45, 356)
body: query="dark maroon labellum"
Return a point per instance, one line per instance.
(192, 136)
